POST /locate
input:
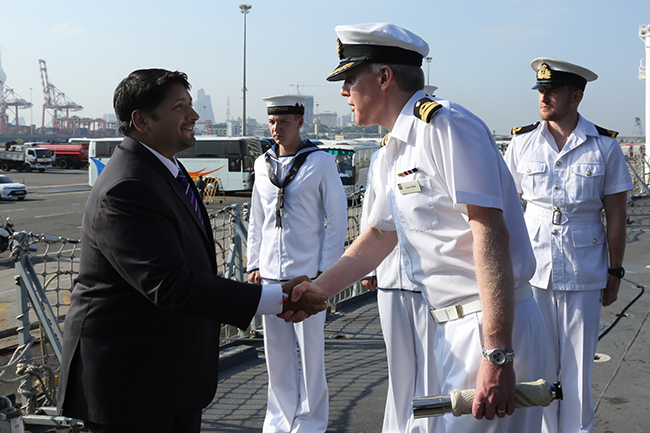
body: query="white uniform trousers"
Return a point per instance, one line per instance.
(409, 334)
(572, 322)
(458, 357)
(298, 399)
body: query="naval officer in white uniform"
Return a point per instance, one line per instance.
(409, 334)
(568, 170)
(444, 192)
(297, 187)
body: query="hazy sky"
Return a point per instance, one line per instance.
(481, 50)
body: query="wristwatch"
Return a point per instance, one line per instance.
(617, 272)
(498, 356)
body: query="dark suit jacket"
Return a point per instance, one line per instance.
(141, 337)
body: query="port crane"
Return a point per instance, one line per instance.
(55, 101)
(9, 99)
(298, 86)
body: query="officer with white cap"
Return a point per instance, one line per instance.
(297, 188)
(443, 194)
(568, 170)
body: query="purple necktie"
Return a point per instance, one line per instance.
(185, 184)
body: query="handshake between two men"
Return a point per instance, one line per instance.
(298, 306)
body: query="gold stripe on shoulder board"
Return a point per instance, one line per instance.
(425, 109)
(524, 129)
(384, 141)
(606, 132)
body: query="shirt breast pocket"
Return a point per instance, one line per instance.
(533, 177)
(586, 180)
(416, 210)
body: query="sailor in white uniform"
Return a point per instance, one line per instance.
(297, 187)
(568, 170)
(409, 334)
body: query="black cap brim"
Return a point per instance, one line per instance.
(338, 74)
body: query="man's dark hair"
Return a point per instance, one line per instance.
(409, 78)
(144, 90)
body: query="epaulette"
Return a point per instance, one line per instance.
(425, 109)
(606, 132)
(524, 129)
(384, 141)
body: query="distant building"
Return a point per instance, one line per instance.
(220, 129)
(233, 128)
(327, 118)
(309, 110)
(203, 106)
(345, 119)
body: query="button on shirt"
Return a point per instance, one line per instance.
(564, 191)
(457, 164)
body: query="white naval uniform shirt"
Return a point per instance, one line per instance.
(457, 163)
(390, 273)
(574, 180)
(302, 246)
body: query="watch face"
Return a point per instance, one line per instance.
(498, 357)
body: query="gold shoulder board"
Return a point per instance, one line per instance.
(524, 129)
(425, 109)
(606, 132)
(384, 141)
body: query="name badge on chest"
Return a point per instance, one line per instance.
(409, 187)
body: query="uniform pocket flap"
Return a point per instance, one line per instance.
(531, 167)
(588, 236)
(588, 169)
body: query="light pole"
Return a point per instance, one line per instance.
(428, 60)
(644, 74)
(245, 9)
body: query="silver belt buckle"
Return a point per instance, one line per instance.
(556, 219)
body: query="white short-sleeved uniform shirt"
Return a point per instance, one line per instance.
(390, 272)
(573, 181)
(422, 183)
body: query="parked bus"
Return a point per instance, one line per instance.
(352, 159)
(230, 159)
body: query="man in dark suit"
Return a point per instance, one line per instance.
(141, 337)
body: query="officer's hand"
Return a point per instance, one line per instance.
(370, 283)
(254, 277)
(495, 391)
(610, 294)
(308, 303)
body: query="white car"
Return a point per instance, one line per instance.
(11, 189)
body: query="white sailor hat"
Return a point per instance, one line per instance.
(552, 73)
(429, 90)
(376, 43)
(287, 104)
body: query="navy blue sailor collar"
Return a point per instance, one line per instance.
(307, 146)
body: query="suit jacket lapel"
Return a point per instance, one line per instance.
(135, 147)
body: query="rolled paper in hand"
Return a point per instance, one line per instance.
(527, 394)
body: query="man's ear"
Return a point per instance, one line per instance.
(301, 121)
(140, 120)
(385, 77)
(576, 97)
